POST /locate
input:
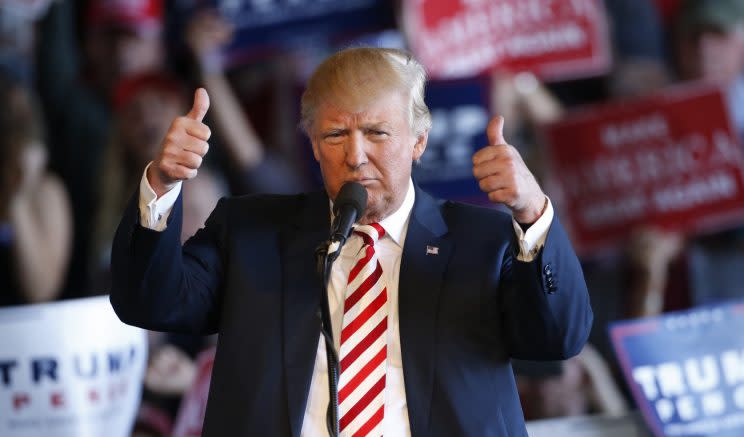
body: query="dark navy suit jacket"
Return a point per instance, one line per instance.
(249, 275)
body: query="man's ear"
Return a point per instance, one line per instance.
(420, 146)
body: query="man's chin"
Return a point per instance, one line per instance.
(376, 210)
(371, 214)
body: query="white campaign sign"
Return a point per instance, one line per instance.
(69, 369)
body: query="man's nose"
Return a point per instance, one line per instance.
(355, 150)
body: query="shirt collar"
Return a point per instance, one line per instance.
(396, 223)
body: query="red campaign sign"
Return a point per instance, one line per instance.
(555, 39)
(671, 160)
(191, 413)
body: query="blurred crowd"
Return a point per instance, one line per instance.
(88, 89)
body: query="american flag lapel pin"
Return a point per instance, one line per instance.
(432, 250)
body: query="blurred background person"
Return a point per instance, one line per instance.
(145, 104)
(639, 50)
(708, 43)
(75, 79)
(35, 216)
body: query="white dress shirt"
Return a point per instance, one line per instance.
(154, 213)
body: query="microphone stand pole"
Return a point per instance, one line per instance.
(324, 261)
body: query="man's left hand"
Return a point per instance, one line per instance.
(503, 175)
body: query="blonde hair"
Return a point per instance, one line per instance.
(356, 76)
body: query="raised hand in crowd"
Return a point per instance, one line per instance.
(250, 167)
(650, 251)
(503, 175)
(170, 371)
(522, 98)
(206, 35)
(525, 101)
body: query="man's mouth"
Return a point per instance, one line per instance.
(364, 181)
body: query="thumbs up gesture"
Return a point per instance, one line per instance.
(503, 175)
(183, 148)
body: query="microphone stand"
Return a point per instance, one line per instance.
(350, 203)
(324, 261)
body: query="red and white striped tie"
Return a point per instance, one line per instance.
(363, 355)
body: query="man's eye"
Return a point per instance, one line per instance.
(377, 133)
(333, 135)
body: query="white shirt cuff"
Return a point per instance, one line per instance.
(533, 240)
(154, 212)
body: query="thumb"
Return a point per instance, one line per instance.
(495, 131)
(201, 105)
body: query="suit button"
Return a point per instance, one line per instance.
(548, 269)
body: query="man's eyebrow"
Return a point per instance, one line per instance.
(332, 132)
(376, 125)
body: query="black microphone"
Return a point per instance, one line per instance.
(349, 205)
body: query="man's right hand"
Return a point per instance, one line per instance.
(183, 148)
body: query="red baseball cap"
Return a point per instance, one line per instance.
(141, 16)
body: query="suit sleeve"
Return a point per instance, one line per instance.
(157, 284)
(545, 304)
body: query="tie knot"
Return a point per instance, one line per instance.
(370, 233)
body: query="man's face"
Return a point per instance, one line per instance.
(115, 53)
(374, 147)
(713, 55)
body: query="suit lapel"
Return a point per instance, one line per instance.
(301, 297)
(425, 255)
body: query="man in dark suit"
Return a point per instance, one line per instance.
(429, 299)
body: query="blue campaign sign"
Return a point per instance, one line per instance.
(460, 114)
(686, 369)
(263, 25)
